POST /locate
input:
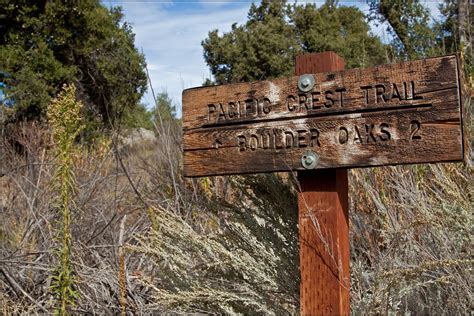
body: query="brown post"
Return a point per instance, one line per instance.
(323, 222)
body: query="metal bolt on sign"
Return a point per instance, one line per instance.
(310, 160)
(306, 83)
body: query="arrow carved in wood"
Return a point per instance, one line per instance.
(217, 143)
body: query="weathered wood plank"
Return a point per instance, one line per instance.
(280, 98)
(391, 114)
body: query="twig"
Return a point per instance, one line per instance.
(167, 147)
(5, 173)
(122, 270)
(14, 284)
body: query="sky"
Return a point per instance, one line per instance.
(170, 35)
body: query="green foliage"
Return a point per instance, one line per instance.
(341, 29)
(266, 45)
(164, 110)
(64, 116)
(140, 117)
(416, 35)
(449, 28)
(409, 21)
(455, 31)
(47, 43)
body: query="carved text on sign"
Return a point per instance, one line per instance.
(276, 139)
(318, 99)
(281, 139)
(238, 109)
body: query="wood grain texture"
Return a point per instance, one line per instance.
(324, 242)
(323, 223)
(361, 117)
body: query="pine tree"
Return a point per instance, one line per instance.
(266, 45)
(45, 44)
(341, 29)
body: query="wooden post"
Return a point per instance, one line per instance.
(323, 222)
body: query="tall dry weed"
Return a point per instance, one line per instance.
(64, 117)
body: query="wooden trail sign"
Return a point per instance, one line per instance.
(400, 113)
(392, 114)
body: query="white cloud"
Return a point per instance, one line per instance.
(171, 40)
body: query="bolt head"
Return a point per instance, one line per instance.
(309, 159)
(306, 82)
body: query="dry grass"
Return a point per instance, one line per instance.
(145, 240)
(412, 239)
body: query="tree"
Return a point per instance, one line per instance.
(266, 45)
(417, 34)
(341, 29)
(455, 31)
(164, 110)
(45, 44)
(409, 24)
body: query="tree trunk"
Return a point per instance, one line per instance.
(464, 22)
